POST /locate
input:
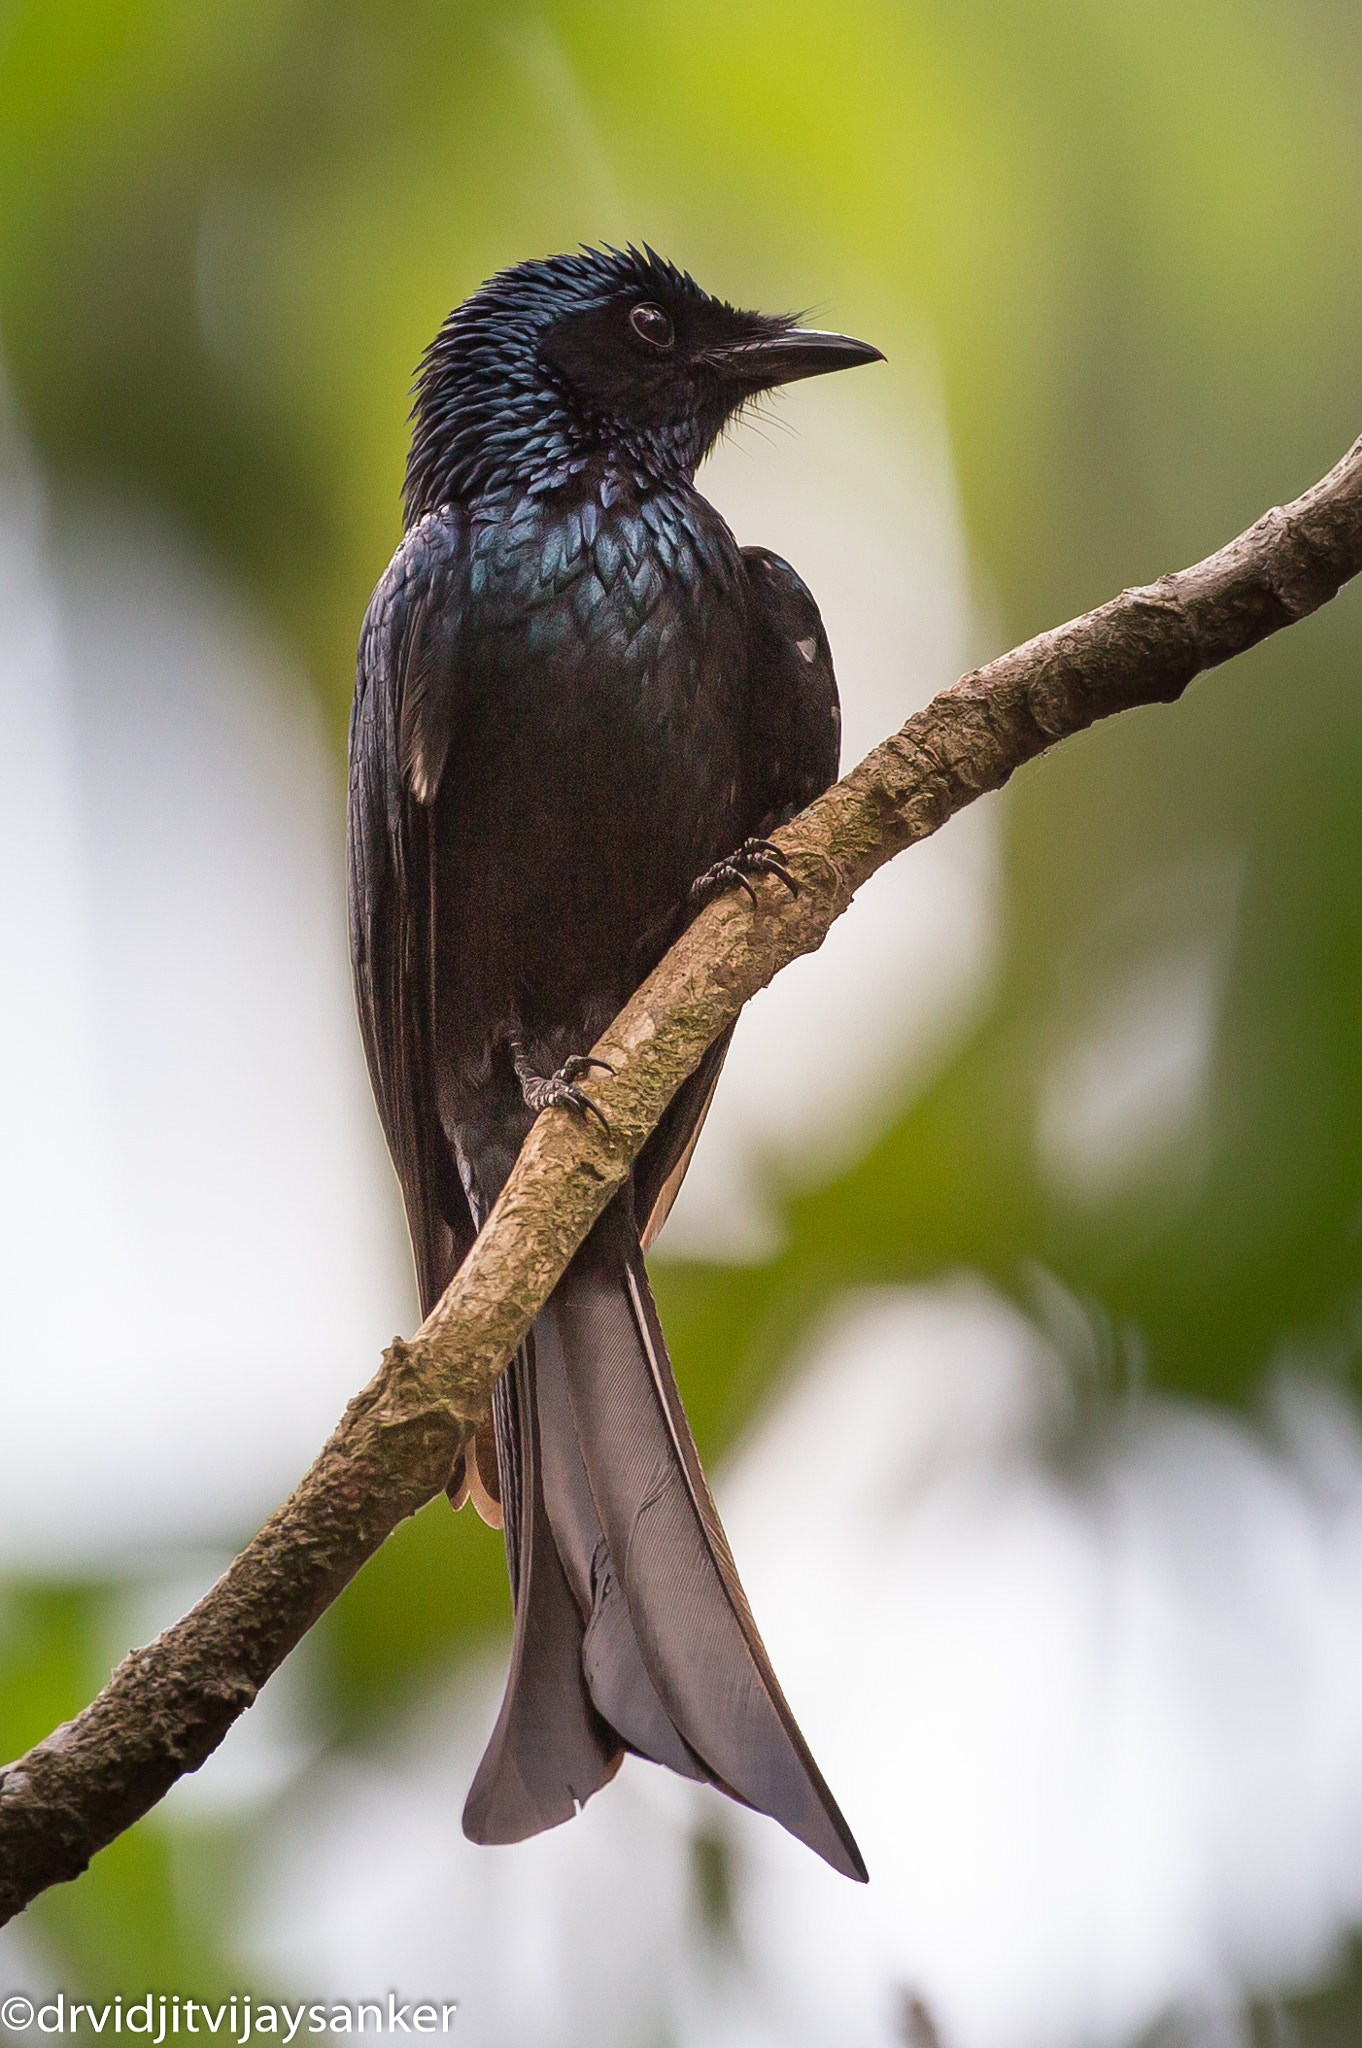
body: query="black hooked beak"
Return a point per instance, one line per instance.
(773, 359)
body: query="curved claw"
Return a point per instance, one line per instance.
(779, 872)
(753, 857)
(767, 859)
(725, 874)
(560, 1090)
(581, 1063)
(569, 1096)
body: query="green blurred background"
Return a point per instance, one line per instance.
(1132, 237)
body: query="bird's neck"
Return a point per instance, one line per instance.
(616, 487)
(526, 442)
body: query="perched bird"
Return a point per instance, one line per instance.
(580, 709)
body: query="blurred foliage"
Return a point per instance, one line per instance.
(438, 1580)
(1327, 2018)
(1132, 231)
(132, 1919)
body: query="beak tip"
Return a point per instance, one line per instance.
(797, 353)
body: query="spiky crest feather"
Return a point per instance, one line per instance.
(489, 409)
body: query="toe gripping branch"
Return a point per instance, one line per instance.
(560, 1090)
(753, 857)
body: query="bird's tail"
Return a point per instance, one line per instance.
(632, 1630)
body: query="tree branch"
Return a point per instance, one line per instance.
(167, 1707)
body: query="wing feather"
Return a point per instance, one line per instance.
(795, 722)
(408, 696)
(793, 738)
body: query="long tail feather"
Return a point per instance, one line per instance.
(550, 1749)
(664, 1647)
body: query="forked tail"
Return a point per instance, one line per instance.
(632, 1630)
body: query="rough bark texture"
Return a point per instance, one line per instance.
(167, 1707)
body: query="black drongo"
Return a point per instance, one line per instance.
(580, 709)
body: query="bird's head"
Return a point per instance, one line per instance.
(606, 353)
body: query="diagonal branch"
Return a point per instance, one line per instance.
(167, 1707)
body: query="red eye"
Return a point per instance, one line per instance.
(652, 325)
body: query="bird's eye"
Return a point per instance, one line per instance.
(652, 325)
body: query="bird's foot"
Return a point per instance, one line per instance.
(753, 857)
(561, 1090)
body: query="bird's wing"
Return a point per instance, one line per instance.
(408, 697)
(790, 756)
(794, 718)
